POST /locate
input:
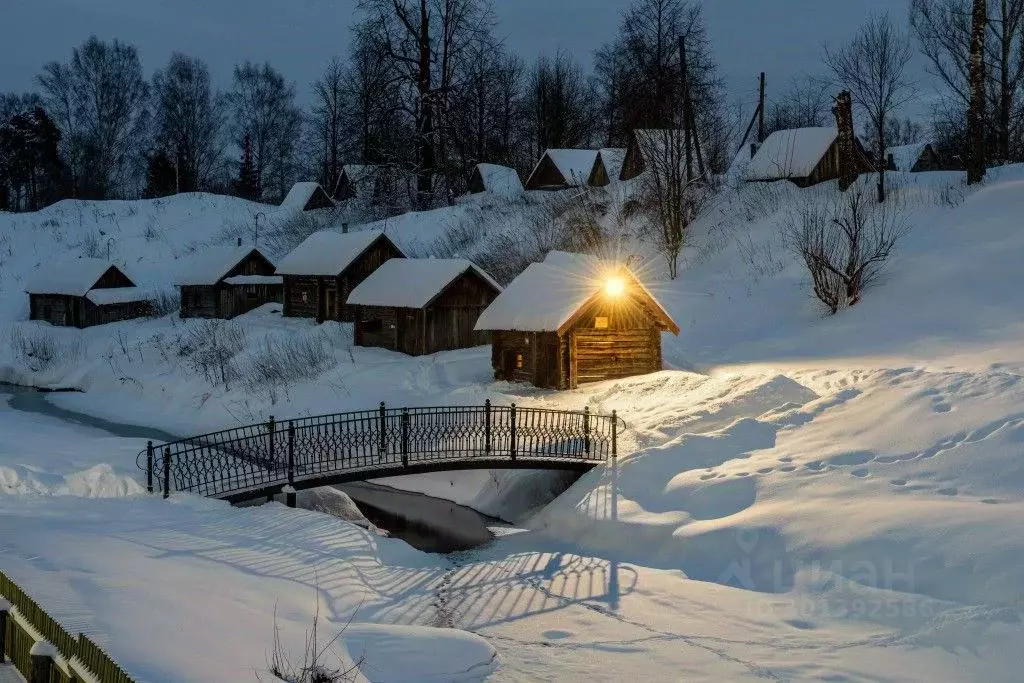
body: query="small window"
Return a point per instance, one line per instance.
(601, 323)
(372, 325)
(519, 361)
(305, 297)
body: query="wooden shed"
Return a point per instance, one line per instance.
(321, 272)
(306, 197)
(572, 320)
(85, 292)
(421, 306)
(914, 158)
(559, 169)
(804, 156)
(222, 282)
(607, 166)
(499, 180)
(643, 142)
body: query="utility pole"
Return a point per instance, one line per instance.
(760, 112)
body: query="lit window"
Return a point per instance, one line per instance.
(601, 323)
(519, 361)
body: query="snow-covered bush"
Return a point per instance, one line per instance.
(208, 347)
(165, 302)
(41, 348)
(276, 363)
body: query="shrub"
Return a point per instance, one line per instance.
(40, 348)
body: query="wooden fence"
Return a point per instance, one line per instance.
(27, 623)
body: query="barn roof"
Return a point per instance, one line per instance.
(574, 165)
(116, 295)
(209, 265)
(500, 180)
(412, 283)
(299, 196)
(793, 153)
(71, 277)
(612, 158)
(906, 156)
(327, 253)
(546, 296)
(358, 172)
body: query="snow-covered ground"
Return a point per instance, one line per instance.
(799, 497)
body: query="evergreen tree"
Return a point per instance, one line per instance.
(161, 179)
(248, 184)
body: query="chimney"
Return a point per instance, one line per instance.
(846, 140)
(239, 241)
(344, 228)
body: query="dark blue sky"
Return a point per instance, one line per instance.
(782, 37)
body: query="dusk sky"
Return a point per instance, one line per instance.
(782, 37)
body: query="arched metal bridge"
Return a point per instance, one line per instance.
(272, 457)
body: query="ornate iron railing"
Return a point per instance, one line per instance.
(260, 459)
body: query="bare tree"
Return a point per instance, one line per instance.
(263, 110)
(98, 99)
(844, 243)
(561, 103)
(189, 120)
(806, 103)
(976, 109)
(873, 68)
(327, 128)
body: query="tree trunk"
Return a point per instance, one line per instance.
(976, 111)
(881, 161)
(425, 123)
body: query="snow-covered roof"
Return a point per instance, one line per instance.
(72, 277)
(412, 283)
(209, 265)
(299, 196)
(254, 280)
(612, 158)
(116, 295)
(906, 156)
(790, 153)
(327, 253)
(356, 173)
(545, 296)
(500, 180)
(575, 165)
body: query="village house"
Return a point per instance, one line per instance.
(560, 169)
(355, 179)
(644, 142)
(84, 292)
(804, 156)
(306, 197)
(223, 282)
(320, 273)
(914, 158)
(498, 180)
(571, 320)
(421, 306)
(607, 166)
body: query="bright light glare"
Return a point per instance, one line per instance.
(614, 286)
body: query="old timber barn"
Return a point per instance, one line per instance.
(222, 282)
(84, 292)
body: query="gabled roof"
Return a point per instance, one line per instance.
(574, 165)
(612, 159)
(905, 157)
(547, 296)
(209, 265)
(299, 196)
(793, 153)
(328, 253)
(412, 283)
(357, 173)
(71, 277)
(500, 180)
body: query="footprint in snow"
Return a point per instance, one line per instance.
(556, 634)
(948, 491)
(860, 472)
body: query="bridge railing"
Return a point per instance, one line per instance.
(272, 454)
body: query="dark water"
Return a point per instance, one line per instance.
(430, 524)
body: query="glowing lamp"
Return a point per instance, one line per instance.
(614, 287)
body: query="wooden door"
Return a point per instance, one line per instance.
(331, 312)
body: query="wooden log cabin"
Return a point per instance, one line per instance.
(915, 158)
(421, 306)
(306, 196)
(607, 167)
(570, 320)
(804, 156)
(224, 282)
(85, 292)
(559, 169)
(321, 272)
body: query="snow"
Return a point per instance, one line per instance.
(612, 158)
(575, 165)
(412, 283)
(254, 280)
(822, 498)
(790, 153)
(906, 156)
(116, 295)
(327, 253)
(72, 277)
(500, 180)
(541, 299)
(298, 196)
(208, 266)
